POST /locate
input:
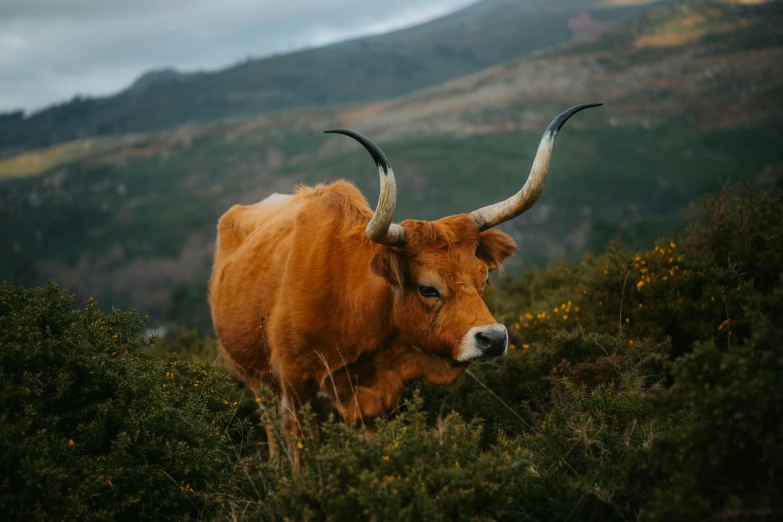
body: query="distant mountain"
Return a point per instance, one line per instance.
(362, 70)
(156, 78)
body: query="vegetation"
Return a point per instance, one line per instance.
(93, 428)
(640, 385)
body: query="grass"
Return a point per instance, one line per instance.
(37, 162)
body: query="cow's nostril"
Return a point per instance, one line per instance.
(483, 340)
(492, 341)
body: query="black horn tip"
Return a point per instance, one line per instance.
(371, 147)
(563, 117)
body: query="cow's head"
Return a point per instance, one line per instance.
(439, 269)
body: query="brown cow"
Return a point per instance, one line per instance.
(353, 306)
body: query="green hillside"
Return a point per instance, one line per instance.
(128, 231)
(367, 69)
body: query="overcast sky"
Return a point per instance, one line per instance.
(51, 50)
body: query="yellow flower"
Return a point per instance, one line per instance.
(456, 464)
(673, 244)
(109, 483)
(195, 384)
(630, 341)
(512, 346)
(665, 278)
(71, 443)
(627, 319)
(565, 317)
(639, 285)
(525, 346)
(386, 458)
(576, 309)
(258, 399)
(299, 444)
(641, 305)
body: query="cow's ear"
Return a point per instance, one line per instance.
(388, 264)
(495, 247)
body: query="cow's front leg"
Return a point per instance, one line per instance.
(293, 428)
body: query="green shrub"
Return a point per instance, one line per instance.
(698, 287)
(92, 428)
(409, 470)
(725, 459)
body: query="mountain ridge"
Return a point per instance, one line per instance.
(360, 70)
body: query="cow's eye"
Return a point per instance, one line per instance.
(428, 291)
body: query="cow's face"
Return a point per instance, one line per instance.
(438, 282)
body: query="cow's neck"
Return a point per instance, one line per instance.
(360, 314)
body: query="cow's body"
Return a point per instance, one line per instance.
(303, 263)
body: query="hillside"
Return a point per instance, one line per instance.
(130, 221)
(367, 69)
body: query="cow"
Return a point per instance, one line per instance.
(313, 294)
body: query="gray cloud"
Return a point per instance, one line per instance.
(51, 50)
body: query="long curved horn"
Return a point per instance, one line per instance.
(501, 212)
(380, 228)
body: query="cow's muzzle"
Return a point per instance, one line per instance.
(483, 343)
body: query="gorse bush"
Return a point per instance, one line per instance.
(640, 386)
(410, 470)
(92, 428)
(705, 285)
